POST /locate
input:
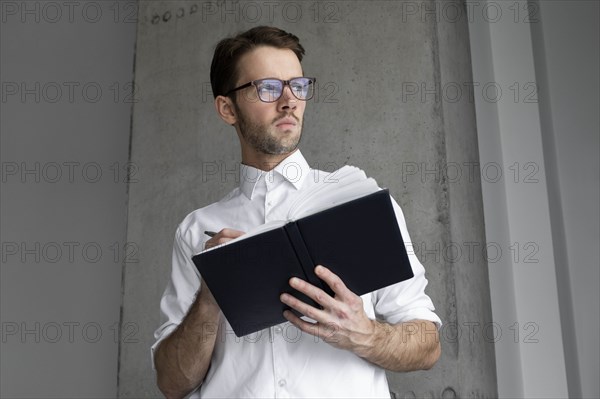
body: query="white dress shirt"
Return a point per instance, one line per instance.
(281, 361)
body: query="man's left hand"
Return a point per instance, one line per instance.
(342, 322)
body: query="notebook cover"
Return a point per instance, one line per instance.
(359, 241)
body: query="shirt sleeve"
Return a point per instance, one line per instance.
(406, 300)
(180, 292)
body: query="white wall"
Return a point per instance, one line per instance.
(550, 209)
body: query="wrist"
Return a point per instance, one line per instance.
(375, 341)
(370, 340)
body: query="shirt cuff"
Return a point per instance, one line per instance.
(415, 314)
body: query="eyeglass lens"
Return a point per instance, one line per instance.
(270, 90)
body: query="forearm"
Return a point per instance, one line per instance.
(182, 359)
(405, 346)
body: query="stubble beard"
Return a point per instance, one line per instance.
(264, 139)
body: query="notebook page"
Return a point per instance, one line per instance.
(330, 198)
(337, 180)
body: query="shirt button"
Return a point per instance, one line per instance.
(282, 383)
(269, 203)
(278, 330)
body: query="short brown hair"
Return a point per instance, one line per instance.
(224, 68)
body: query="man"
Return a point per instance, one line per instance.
(260, 89)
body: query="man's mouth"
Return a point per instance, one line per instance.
(286, 123)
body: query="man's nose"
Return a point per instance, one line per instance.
(287, 100)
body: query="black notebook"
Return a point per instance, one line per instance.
(358, 240)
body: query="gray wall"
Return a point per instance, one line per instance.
(83, 292)
(545, 55)
(567, 65)
(64, 121)
(377, 70)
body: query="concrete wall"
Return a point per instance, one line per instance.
(66, 76)
(380, 68)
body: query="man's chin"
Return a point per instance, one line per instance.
(281, 150)
(288, 138)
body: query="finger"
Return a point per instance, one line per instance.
(304, 326)
(335, 283)
(303, 308)
(324, 331)
(222, 237)
(229, 233)
(298, 322)
(213, 242)
(314, 293)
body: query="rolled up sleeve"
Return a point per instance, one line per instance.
(406, 300)
(180, 292)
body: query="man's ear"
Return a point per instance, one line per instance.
(225, 109)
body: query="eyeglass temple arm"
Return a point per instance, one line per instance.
(239, 88)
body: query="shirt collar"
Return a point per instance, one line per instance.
(294, 169)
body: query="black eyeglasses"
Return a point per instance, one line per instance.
(270, 89)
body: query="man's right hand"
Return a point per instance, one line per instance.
(205, 296)
(222, 237)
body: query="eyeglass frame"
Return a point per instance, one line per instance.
(284, 83)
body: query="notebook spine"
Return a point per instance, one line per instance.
(303, 255)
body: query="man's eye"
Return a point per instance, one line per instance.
(268, 88)
(300, 90)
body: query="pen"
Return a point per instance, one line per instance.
(210, 233)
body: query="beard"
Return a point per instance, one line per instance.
(264, 138)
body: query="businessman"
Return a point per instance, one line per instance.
(340, 349)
